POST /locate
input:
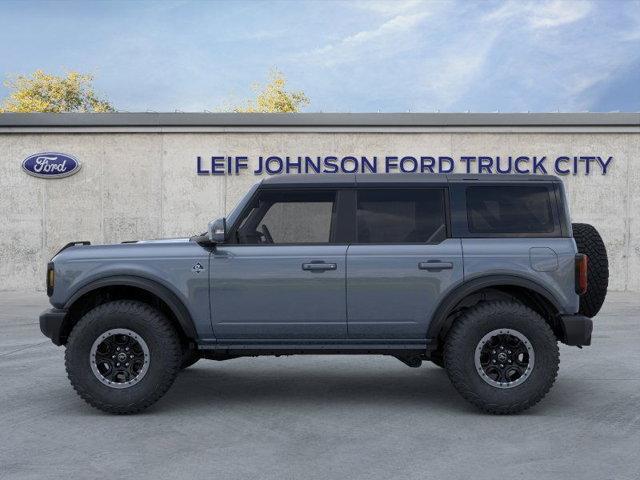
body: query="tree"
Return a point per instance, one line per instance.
(274, 98)
(42, 92)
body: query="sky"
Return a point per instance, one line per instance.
(358, 56)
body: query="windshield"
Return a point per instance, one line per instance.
(235, 213)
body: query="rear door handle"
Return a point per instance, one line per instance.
(318, 266)
(435, 266)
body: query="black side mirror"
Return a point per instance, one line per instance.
(217, 230)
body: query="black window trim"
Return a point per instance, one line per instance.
(444, 190)
(337, 220)
(461, 223)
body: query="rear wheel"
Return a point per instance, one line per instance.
(122, 356)
(501, 356)
(437, 358)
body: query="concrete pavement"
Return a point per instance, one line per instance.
(321, 417)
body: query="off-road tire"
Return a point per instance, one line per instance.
(437, 358)
(464, 337)
(189, 357)
(590, 243)
(153, 327)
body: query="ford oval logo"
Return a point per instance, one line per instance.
(51, 165)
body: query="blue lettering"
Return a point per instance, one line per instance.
(604, 164)
(413, 165)
(485, 163)
(390, 163)
(371, 166)
(199, 168)
(558, 166)
(467, 161)
(538, 165)
(501, 167)
(217, 165)
(273, 165)
(330, 165)
(242, 163)
(293, 165)
(351, 163)
(448, 161)
(517, 163)
(427, 164)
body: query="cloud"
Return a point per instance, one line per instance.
(541, 15)
(391, 37)
(390, 8)
(449, 75)
(558, 12)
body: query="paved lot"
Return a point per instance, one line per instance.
(321, 417)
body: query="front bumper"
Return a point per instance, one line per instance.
(51, 322)
(576, 330)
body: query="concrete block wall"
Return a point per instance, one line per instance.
(144, 185)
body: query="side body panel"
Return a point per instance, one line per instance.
(392, 291)
(167, 263)
(265, 292)
(548, 262)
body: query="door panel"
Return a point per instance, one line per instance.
(279, 291)
(392, 290)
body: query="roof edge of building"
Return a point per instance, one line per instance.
(293, 120)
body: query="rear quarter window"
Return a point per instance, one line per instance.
(522, 210)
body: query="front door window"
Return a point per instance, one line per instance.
(289, 218)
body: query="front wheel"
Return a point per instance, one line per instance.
(122, 356)
(501, 357)
(189, 357)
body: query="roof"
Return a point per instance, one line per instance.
(311, 121)
(382, 179)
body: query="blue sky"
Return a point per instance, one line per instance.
(360, 56)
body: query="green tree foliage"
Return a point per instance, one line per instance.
(42, 92)
(274, 98)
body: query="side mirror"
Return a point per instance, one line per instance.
(217, 230)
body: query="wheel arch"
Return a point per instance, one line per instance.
(523, 289)
(131, 287)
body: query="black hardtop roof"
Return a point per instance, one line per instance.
(398, 179)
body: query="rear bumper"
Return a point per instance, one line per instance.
(576, 330)
(51, 321)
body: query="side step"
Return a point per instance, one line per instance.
(397, 348)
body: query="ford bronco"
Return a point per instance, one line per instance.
(481, 275)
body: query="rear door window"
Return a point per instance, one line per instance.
(401, 216)
(511, 209)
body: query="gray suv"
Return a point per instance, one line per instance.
(481, 275)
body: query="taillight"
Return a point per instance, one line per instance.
(581, 273)
(51, 278)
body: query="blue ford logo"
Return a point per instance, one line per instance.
(51, 165)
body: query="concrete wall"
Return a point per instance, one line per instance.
(143, 185)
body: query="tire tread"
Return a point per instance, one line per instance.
(454, 366)
(166, 333)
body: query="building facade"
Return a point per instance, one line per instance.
(148, 175)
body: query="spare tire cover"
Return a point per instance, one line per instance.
(589, 242)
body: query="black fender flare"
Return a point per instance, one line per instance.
(469, 287)
(176, 306)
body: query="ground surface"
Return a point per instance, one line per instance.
(321, 417)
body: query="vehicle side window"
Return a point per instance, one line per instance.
(509, 209)
(285, 217)
(401, 216)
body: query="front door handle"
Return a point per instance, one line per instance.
(318, 266)
(435, 265)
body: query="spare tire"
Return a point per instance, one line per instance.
(589, 242)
